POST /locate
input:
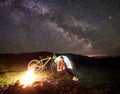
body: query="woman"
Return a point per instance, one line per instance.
(62, 69)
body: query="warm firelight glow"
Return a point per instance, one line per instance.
(28, 78)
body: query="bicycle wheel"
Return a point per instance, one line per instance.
(35, 64)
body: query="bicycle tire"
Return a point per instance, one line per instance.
(35, 64)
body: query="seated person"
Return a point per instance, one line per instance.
(62, 68)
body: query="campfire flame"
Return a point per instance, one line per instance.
(28, 78)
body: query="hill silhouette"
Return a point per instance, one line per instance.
(78, 60)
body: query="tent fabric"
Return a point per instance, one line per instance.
(67, 61)
(69, 64)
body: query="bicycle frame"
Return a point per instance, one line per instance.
(47, 59)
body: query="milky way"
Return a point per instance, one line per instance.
(63, 26)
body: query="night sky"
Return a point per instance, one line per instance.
(63, 26)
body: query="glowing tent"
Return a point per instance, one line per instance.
(67, 61)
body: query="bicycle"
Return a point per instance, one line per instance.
(41, 64)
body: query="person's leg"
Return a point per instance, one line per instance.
(71, 75)
(61, 72)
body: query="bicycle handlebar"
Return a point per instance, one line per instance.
(53, 56)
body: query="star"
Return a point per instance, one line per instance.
(110, 17)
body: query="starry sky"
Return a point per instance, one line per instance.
(63, 26)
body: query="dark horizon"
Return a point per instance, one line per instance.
(88, 55)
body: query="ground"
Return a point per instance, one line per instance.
(92, 81)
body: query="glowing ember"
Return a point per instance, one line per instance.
(28, 78)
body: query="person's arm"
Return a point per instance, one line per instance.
(58, 67)
(64, 66)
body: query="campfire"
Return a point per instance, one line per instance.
(31, 79)
(28, 78)
(33, 83)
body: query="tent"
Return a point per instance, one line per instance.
(68, 62)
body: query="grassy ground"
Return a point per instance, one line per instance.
(8, 75)
(92, 80)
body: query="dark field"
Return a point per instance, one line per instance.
(97, 76)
